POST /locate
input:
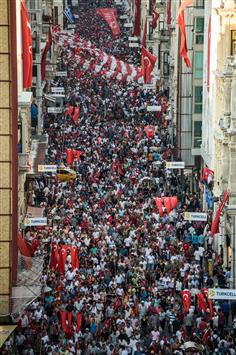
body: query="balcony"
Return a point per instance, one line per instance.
(23, 162)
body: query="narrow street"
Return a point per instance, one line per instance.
(124, 271)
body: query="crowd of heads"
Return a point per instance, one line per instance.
(133, 262)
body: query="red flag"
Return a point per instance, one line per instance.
(69, 156)
(136, 17)
(207, 336)
(62, 259)
(54, 257)
(207, 175)
(110, 16)
(26, 47)
(22, 246)
(183, 40)
(76, 114)
(78, 321)
(155, 17)
(167, 204)
(77, 154)
(186, 298)
(168, 14)
(209, 55)
(216, 221)
(158, 201)
(74, 257)
(144, 37)
(69, 111)
(44, 55)
(174, 202)
(202, 305)
(150, 131)
(148, 63)
(69, 317)
(63, 320)
(209, 301)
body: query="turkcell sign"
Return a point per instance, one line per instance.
(222, 294)
(175, 165)
(195, 216)
(36, 221)
(154, 108)
(61, 73)
(58, 89)
(47, 168)
(55, 109)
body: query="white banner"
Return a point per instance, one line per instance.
(222, 294)
(55, 109)
(195, 216)
(36, 221)
(61, 73)
(57, 89)
(153, 108)
(47, 168)
(175, 164)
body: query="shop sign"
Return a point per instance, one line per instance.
(57, 89)
(55, 109)
(35, 221)
(134, 45)
(222, 294)
(175, 165)
(47, 168)
(154, 108)
(195, 216)
(61, 73)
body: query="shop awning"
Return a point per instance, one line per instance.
(5, 332)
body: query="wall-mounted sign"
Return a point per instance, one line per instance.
(175, 164)
(57, 89)
(195, 216)
(35, 221)
(222, 294)
(55, 109)
(61, 73)
(154, 108)
(47, 168)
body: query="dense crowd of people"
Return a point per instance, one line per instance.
(121, 293)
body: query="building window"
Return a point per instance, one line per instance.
(198, 99)
(199, 29)
(233, 42)
(199, 4)
(198, 56)
(197, 134)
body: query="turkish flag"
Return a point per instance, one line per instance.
(74, 257)
(148, 63)
(110, 16)
(44, 55)
(216, 221)
(150, 131)
(62, 259)
(183, 39)
(69, 317)
(207, 336)
(78, 321)
(202, 304)
(69, 111)
(186, 298)
(207, 175)
(136, 17)
(209, 301)
(167, 204)
(54, 257)
(69, 156)
(76, 114)
(155, 17)
(26, 47)
(77, 154)
(158, 201)
(174, 202)
(63, 320)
